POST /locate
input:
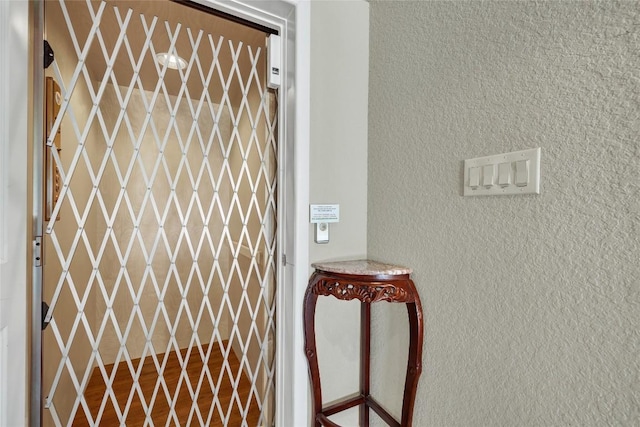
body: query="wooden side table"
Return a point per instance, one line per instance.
(369, 282)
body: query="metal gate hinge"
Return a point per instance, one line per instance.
(37, 251)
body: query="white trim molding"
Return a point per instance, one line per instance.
(14, 107)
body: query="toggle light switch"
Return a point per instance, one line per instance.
(522, 173)
(504, 174)
(474, 178)
(487, 175)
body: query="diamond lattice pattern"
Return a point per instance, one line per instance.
(160, 257)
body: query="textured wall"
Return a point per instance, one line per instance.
(532, 303)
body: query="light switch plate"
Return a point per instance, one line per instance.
(532, 187)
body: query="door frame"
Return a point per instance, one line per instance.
(14, 212)
(292, 19)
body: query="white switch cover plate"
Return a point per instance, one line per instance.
(532, 186)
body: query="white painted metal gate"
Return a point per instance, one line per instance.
(160, 207)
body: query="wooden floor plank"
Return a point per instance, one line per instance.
(148, 381)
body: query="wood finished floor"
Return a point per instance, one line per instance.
(123, 383)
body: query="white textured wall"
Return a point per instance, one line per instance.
(532, 303)
(339, 85)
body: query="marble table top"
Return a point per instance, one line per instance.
(362, 267)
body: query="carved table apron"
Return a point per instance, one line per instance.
(373, 282)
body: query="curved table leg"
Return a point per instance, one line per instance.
(309, 312)
(365, 360)
(414, 362)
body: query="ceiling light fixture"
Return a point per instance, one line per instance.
(173, 61)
